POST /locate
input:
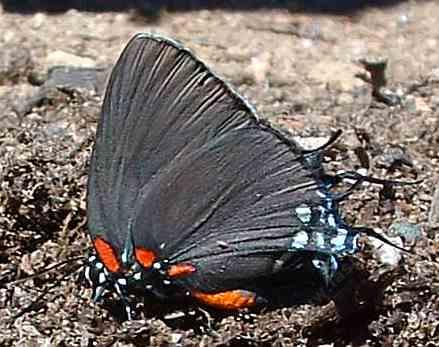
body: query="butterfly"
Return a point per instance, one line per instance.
(192, 196)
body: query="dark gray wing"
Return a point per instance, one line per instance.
(228, 208)
(183, 166)
(160, 104)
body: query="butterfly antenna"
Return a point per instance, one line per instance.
(359, 179)
(338, 197)
(372, 233)
(353, 175)
(332, 139)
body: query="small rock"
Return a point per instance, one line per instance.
(57, 58)
(19, 100)
(385, 253)
(393, 158)
(410, 232)
(421, 105)
(306, 43)
(310, 143)
(37, 20)
(73, 78)
(345, 99)
(37, 77)
(403, 19)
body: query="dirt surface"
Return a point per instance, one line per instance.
(301, 69)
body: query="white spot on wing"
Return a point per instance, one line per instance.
(300, 240)
(318, 264)
(339, 241)
(321, 194)
(320, 240)
(331, 220)
(334, 264)
(303, 212)
(328, 204)
(125, 257)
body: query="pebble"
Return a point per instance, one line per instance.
(38, 20)
(310, 143)
(410, 232)
(61, 58)
(385, 253)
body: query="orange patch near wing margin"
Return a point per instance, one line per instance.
(229, 300)
(107, 254)
(180, 270)
(145, 257)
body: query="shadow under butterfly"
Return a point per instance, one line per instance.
(192, 197)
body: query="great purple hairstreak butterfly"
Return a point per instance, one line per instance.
(192, 196)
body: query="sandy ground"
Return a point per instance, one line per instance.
(301, 70)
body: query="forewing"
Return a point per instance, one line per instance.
(161, 104)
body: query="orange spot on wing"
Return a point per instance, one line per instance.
(145, 257)
(107, 254)
(180, 270)
(230, 300)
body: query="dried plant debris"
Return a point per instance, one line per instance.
(376, 77)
